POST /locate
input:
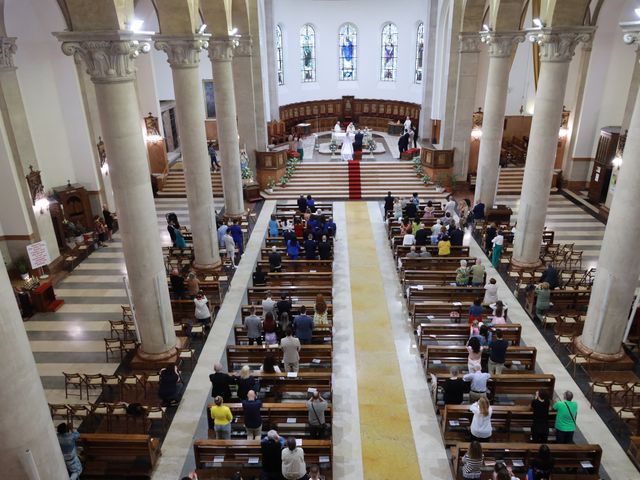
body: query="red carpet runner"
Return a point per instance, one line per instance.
(355, 185)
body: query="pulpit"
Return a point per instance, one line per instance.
(44, 299)
(500, 214)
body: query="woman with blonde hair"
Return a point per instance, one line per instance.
(543, 299)
(246, 382)
(222, 417)
(481, 428)
(462, 274)
(320, 314)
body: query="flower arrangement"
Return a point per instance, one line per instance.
(417, 166)
(333, 146)
(372, 145)
(426, 179)
(247, 174)
(271, 183)
(292, 154)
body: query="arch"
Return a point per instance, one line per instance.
(348, 52)
(308, 53)
(86, 15)
(240, 16)
(389, 52)
(563, 13)
(505, 15)
(217, 15)
(472, 13)
(419, 60)
(279, 54)
(177, 17)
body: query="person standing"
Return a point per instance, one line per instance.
(357, 144)
(222, 230)
(303, 326)
(490, 292)
(275, 260)
(252, 418)
(481, 428)
(477, 273)
(299, 147)
(415, 136)
(407, 125)
(498, 353)
(454, 388)
(543, 300)
(403, 144)
(550, 275)
(324, 249)
(202, 312)
(496, 251)
(540, 424)
(271, 448)
(462, 274)
(566, 414)
(230, 248)
(293, 465)
(221, 383)
(268, 304)
(478, 383)
(67, 439)
(273, 226)
(108, 220)
(222, 417)
(316, 406)
(542, 464)
(388, 204)
(215, 166)
(478, 211)
(238, 237)
(472, 462)
(168, 390)
(347, 147)
(290, 346)
(254, 327)
(193, 285)
(310, 248)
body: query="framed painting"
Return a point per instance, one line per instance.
(209, 99)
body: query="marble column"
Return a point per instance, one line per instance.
(431, 26)
(557, 47)
(257, 52)
(272, 72)
(221, 54)
(618, 265)
(26, 422)
(245, 98)
(468, 53)
(184, 57)
(109, 57)
(501, 48)
(37, 226)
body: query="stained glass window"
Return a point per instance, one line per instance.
(419, 53)
(308, 53)
(279, 55)
(348, 40)
(389, 61)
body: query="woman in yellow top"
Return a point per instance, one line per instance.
(221, 416)
(444, 246)
(320, 315)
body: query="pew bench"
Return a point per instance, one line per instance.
(311, 356)
(438, 358)
(115, 454)
(302, 279)
(459, 333)
(276, 386)
(220, 459)
(295, 293)
(518, 385)
(300, 265)
(322, 335)
(435, 263)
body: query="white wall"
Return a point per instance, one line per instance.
(327, 16)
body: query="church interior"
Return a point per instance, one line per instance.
(320, 239)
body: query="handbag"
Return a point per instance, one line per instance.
(570, 414)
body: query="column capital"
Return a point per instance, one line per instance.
(109, 56)
(243, 46)
(559, 45)
(221, 48)
(8, 49)
(469, 42)
(182, 51)
(502, 44)
(631, 34)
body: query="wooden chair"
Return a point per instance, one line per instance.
(127, 314)
(131, 383)
(100, 411)
(93, 381)
(59, 411)
(117, 412)
(187, 353)
(111, 381)
(153, 414)
(149, 380)
(118, 327)
(129, 345)
(73, 380)
(581, 359)
(78, 412)
(112, 345)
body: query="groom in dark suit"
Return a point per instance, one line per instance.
(403, 143)
(357, 144)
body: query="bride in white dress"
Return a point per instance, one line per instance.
(347, 147)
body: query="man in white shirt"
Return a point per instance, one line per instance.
(230, 247)
(290, 346)
(268, 305)
(337, 128)
(478, 383)
(407, 125)
(409, 239)
(202, 313)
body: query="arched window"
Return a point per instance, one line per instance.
(419, 53)
(308, 53)
(279, 55)
(348, 41)
(389, 53)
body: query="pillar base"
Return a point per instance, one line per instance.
(144, 361)
(596, 356)
(207, 268)
(517, 265)
(155, 357)
(231, 216)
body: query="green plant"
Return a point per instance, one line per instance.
(21, 266)
(453, 181)
(426, 179)
(271, 183)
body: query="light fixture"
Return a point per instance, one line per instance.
(135, 25)
(105, 169)
(202, 28)
(637, 10)
(616, 162)
(476, 133)
(233, 32)
(485, 28)
(563, 132)
(476, 130)
(538, 23)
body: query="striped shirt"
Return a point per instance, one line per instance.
(472, 467)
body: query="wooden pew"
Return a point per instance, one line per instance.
(321, 335)
(276, 385)
(413, 278)
(435, 263)
(295, 309)
(459, 332)
(564, 301)
(521, 384)
(445, 293)
(568, 459)
(245, 456)
(440, 357)
(422, 312)
(253, 355)
(114, 454)
(295, 293)
(301, 265)
(511, 423)
(457, 251)
(301, 279)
